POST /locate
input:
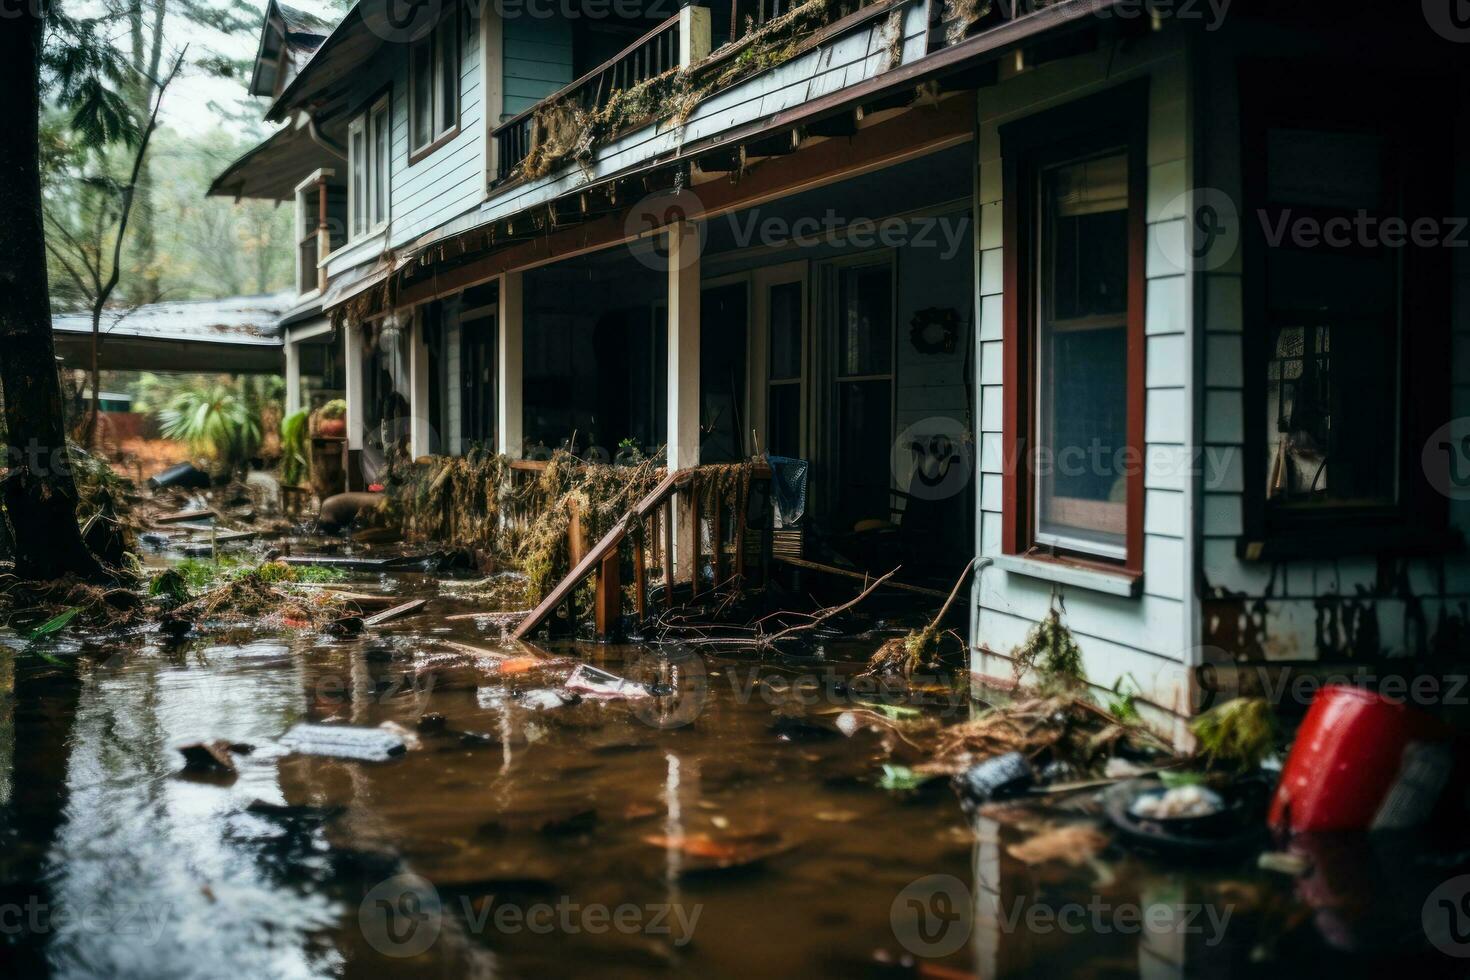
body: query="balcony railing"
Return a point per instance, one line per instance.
(656, 52)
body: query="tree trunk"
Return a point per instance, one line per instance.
(40, 496)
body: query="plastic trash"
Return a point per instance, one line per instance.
(185, 475)
(345, 742)
(995, 779)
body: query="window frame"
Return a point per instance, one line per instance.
(1273, 95)
(364, 124)
(1115, 120)
(444, 125)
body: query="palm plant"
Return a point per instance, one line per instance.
(215, 421)
(294, 461)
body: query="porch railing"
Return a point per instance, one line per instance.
(718, 535)
(656, 52)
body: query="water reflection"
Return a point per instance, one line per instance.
(582, 838)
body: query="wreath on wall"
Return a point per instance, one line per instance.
(935, 330)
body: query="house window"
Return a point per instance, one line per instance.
(434, 86)
(1073, 331)
(1346, 332)
(1081, 380)
(369, 138)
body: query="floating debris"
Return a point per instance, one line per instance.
(208, 757)
(345, 742)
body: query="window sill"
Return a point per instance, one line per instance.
(415, 156)
(1129, 585)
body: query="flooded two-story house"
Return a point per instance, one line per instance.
(1159, 308)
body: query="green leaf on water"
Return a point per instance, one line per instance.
(900, 778)
(894, 711)
(55, 624)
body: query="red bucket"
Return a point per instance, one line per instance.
(1362, 762)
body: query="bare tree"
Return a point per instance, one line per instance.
(86, 262)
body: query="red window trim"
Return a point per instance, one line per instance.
(1116, 117)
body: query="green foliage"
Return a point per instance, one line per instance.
(1052, 653)
(216, 421)
(1241, 733)
(294, 462)
(201, 573)
(55, 624)
(170, 583)
(334, 409)
(1123, 704)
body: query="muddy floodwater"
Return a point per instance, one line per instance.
(715, 830)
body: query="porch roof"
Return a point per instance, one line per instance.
(271, 170)
(900, 86)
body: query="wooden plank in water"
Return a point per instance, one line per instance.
(861, 577)
(184, 515)
(346, 562)
(397, 612)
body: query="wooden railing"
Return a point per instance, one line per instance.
(648, 57)
(723, 534)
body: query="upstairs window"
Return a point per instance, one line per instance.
(433, 113)
(368, 140)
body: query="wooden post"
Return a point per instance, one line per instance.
(352, 339)
(640, 571)
(608, 606)
(694, 35)
(508, 365)
(667, 522)
(323, 231)
(682, 445)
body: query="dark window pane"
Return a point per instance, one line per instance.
(1085, 411)
(785, 318)
(422, 84)
(1298, 170)
(783, 421)
(1087, 238)
(477, 383)
(865, 320)
(448, 54)
(864, 436)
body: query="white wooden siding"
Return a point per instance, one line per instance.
(1146, 638)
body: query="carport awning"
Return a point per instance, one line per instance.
(228, 336)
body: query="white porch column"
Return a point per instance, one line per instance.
(292, 350)
(353, 394)
(418, 388)
(352, 336)
(683, 379)
(508, 365)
